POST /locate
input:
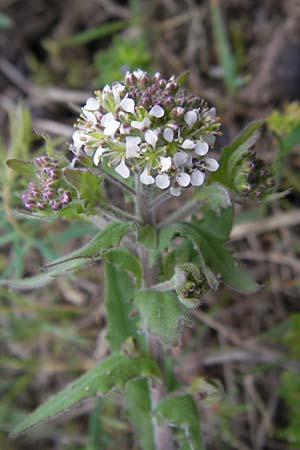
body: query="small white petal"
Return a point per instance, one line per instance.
(183, 179)
(89, 116)
(211, 164)
(138, 73)
(151, 138)
(97, 155)
(89, 151)
(77, 142)
(145, 176)
(191, 117)
(197, 178)
(156, 111)
(92, 104)
(165, 163)
(141, 125)
(168, 134)
(175, 191)
(127, 104)
(211, 113)
(132, 146)
(117, 89)
(180, 158)
(188, 144)
(107, 118)
(122, 169)
(111, 128)
(162, 181)
(201, 148)
(209, 138)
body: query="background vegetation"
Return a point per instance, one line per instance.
(243, 57)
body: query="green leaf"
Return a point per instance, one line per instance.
(92, 34)
(109, 237)
(214, 197)
(113, 372)
(218, 226)
(24, 168)
(148, 237)
(233, 152)
(123, 259)
(208, 392)
(48, 142)
(219, 259)
(182, 78)
(119, 291)
(181, 411)
(87, 184)
(38, 281)
(139, 409)
(161, 315)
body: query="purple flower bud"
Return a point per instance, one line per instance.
(177, 112)
(145, 101)
(26, 197)
(30, 204)
(66, 197)
(35, 193)
(54, 174)
(144, 81)
(49, 194)
(42, 205)
(169, 101)
(130, 79)
(56, 205)
(172, 86)
(162, 83)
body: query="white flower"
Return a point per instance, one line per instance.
(168, 134)
(180, 158)
(127, 104)
(211, 164)
(165, 163)
(201, 148)
(141, 125)
(183, 179)
(188, 144)
(156, 111)
(191, 117)
(162, 181)
(122, 169)
(98, 154)
(197, 178)
(132, 146)
(91, 104)
(151, 137)
(211, 114)
(89, 116)
(146, 177)
(138, 73)
(175, 191)
(77, 141)
(110, 123)
(117, 89)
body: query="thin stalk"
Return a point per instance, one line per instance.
(190, 208)
(162, 433)
(159, 200)
(113, 180)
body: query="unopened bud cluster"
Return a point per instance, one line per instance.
(253, 178)
(191, 284)
(47, 191)
(151, 126)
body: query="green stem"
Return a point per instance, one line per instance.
(162, 433)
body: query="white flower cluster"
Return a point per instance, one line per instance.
(150, 126)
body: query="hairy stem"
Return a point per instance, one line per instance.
(162, 433)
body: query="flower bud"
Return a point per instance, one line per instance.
(190, 283)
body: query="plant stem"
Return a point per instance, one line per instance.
(189, 208)
(162, 433)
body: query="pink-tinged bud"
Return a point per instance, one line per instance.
(66, 197)
(30, 204)
(177, 112)
(144, 81)
(162, 83)
(49, 194)
(130, 79)
(172, 86)
(169, 101)
(54, 174)
(35, 193)
(56, 205)
(26, 197)
(145, 101)
(42, 205)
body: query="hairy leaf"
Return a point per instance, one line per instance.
(161, 315)
(148, 237)
(38, 281)
(24, 168)
(233, 152)
(87, 184)
(181, 411)
(214, 197)
(105, 239)
(112, 373)
(123, 259)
